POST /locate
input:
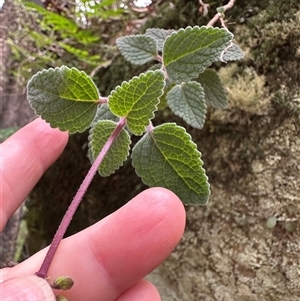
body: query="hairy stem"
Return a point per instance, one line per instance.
(76, 201)
(203, 8)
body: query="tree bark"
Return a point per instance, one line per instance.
(251, 153)
(228, 252)
(14, 112)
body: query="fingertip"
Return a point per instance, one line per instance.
(27, 154)
(37, 137)
(26, 289)
(167, 202)
(165, 195)
(121, 249)
(142, 290)
(43, 129)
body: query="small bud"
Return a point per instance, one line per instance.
(220, 10)
(61, 298)
(63, 283)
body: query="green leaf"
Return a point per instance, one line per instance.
(104, 113)
(116, 154)
(81, 55)
(66, 98)
(83, 36)
(57, 21)
(187, 101)
(233, 53)
(220, 9)
(102, 4)
(159, 35)
(65, 26)
(168, 157)
(214, 93)
(102, 10)
(77, 52)
(189, 51)
(138, 49)
(163, 103)
(137, 100)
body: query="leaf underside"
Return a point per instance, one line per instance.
(233, 53)
(187, 101)
(215, 95)
(104, 113)
(116, 154)
(187, 52)
(138, 49)
(159, 35)
(137, 100)
(168, 157)
(66, 98)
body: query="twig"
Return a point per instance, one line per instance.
(203, 8)
(219, 16)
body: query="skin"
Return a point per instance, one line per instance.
(108, 260)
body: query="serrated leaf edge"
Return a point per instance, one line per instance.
(65, 69)
(128, 58)
(90, 153)
(128, 82)
(190, 28)
(182, 115)
(38, 113)
(208, 102)
(194, 147)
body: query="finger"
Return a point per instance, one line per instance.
(24, 158)
(141, 291)
(112, 255)
(26, 289)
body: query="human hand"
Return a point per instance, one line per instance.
(108, 260)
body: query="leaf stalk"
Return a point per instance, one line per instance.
(43, 271)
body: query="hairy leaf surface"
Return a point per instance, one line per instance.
(159, 35)
(187, 101)
(233, 53)
(167, 157)
(66, 98)
(138, 49)
(137, 100)
(104, 113)
(215, 95)
(116, 154)
(187, 52)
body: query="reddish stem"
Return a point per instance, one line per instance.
(158, 58)
(217, 16)
(43, 271)
(102, 100)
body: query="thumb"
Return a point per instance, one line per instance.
(26, 289)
